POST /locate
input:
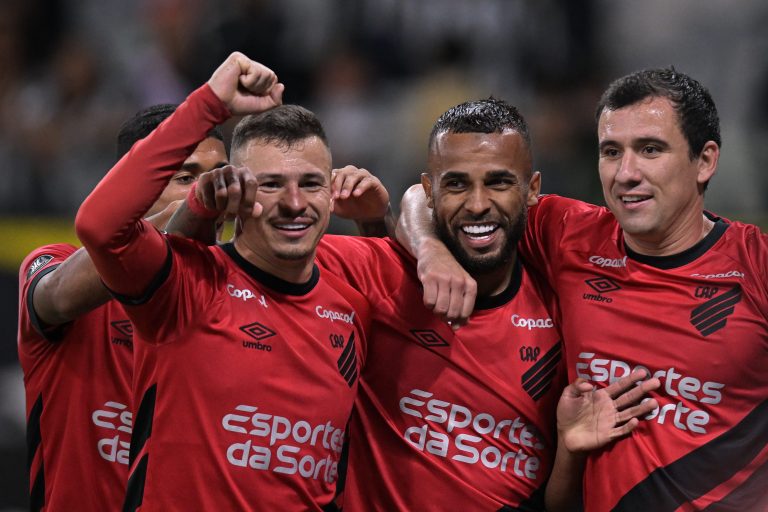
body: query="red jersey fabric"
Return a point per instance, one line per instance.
(245, 398)
(243, 383)
(77, 380)
(448, 420)
(698, 321)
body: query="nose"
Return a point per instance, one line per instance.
(478, 203)
(628, 171)
(293, 202)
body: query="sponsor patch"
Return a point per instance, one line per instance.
(39, 263)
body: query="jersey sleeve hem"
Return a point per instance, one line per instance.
(157, 282)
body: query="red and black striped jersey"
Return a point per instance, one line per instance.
(77, 379)
(448, 420)
(698, 321)
(244, 399)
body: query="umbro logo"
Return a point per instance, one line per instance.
(711, 316)
(428, 338)
(124, 330)
(601, 285)
(258, 332)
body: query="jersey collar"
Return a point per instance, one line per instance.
(271, 280)
(507, 294)
(688, 255)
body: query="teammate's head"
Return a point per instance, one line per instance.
(208, 155)
(480, 182)
(659, 144)
(287, 151)
(697, 113)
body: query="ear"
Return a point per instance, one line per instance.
(534, 188)
(426, 182)
(707, 165)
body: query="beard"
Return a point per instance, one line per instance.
(483, 263)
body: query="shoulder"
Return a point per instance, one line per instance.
(44, 257)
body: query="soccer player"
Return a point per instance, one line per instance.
(247, 358)
(654, 281)
(464, 419)
(75, 347)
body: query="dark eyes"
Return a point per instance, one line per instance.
(184, 179)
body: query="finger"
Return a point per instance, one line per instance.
(276, 93)
(468, 301)
(636, 394)
(430, 294)
(250, 186)
(220, 190)
(637, 411)
(365, 184)
(443, 299)
(234, 193)
(624, 430)
(351, 182)
(624, 383)
(205, 191)
(455, 302)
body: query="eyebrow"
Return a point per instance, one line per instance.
(499, 173)
(194, 166)
(636, 142)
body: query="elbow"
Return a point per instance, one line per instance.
(88, 228)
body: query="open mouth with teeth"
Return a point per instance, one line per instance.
(630, 200)
(479, 232)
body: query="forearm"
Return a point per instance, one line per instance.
(71, 290)
(127, 251)
(564, 489)
(378, 228)
(186, 223)
(415, 230)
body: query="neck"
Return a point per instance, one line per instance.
(495, 281)
(296, 271)
(683, 237)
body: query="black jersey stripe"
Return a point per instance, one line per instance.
(538, 379)
(134, 491)
(683, 480)
(719, 303)
(33, 430)
(534, 503)
(544, 384)
(37, 493)
(34, 438)
(752, 494)
(142, 425)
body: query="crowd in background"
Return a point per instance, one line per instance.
(377, 72)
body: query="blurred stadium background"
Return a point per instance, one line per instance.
(378, 72)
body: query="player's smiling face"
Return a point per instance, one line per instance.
(649, 181)
(478, 187)
(294, 190)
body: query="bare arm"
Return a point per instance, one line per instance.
(588, 419)
(75, 287)
(127, 253)
(449, 291)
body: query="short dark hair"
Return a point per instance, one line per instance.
(481, 116)
(695, 108)
(144, 122)
(284, 125)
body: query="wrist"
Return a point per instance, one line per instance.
(195, 206)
